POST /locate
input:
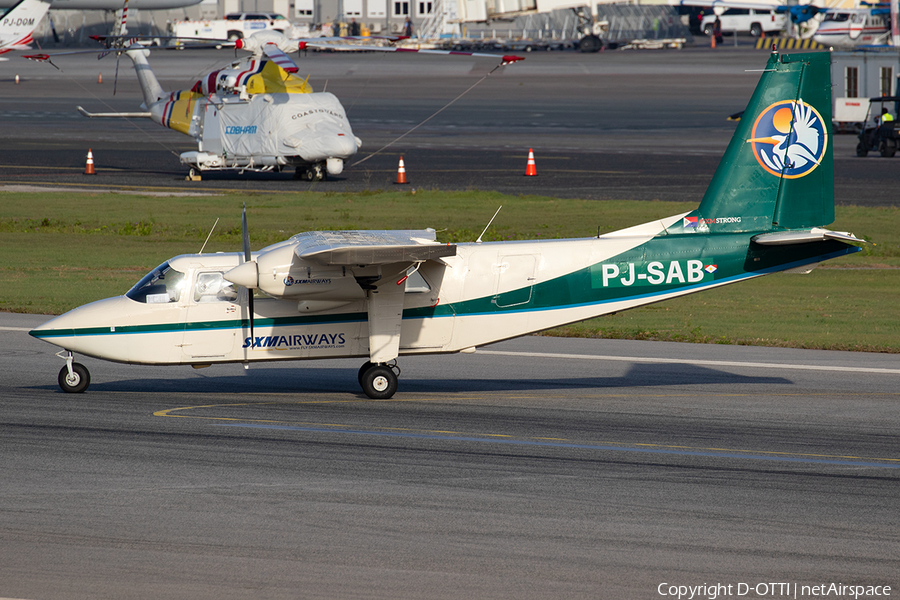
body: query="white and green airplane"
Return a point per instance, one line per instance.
(381, 294)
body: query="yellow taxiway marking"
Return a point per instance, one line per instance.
(337, 427)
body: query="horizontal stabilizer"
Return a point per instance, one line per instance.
(125, 115)
(785, 238)
(347, 248)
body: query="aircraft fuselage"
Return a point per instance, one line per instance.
(487, 292)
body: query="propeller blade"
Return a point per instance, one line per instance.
(250, 312)
(116, 78)
(245, 235)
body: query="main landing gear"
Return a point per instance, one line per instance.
(73, 378)
(378, 380)
(314, 172)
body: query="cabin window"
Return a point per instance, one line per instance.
(212, 287)
(851, 82)
(160, 286)
(886, 81)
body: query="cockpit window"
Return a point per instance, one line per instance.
(212, 287)
(161, 285)
(838, 17)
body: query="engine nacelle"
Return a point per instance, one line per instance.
(283, 275)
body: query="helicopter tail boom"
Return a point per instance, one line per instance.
(150, 87)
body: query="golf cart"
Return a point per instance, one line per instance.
(878, 135)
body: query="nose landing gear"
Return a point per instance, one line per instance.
(74, 378)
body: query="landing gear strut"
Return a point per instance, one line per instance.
(378, 380)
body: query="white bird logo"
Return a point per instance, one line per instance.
(797, 141)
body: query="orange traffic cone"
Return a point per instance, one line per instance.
(530, 169)
(89, 165)
(100, 78)
(712, 41)
(401, 172)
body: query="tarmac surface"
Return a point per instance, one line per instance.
(615, 125)
(537, 468)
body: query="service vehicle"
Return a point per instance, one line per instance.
(234, 26)
(754, 21)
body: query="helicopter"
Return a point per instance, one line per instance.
(377, 295)
(255, 114)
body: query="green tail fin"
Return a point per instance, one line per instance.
(778, 171)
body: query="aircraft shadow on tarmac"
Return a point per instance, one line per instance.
(317, 380)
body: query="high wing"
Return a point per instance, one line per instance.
(349, 248)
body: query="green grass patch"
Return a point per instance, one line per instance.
(61, 250)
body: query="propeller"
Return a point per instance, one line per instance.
(245, 233)
(245, 274)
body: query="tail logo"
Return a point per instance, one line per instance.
(789, 139)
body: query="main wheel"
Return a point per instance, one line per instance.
(379, 382)
(362, 371)
(75, 383)
(590, 43)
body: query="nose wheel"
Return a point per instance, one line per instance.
(74, 378)
(378, 381)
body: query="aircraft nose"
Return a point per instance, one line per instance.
(329, 143)
(340, 145)
(69, 329)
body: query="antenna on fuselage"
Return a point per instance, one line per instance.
(209, 236)
(478, 241)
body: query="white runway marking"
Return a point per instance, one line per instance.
(707, 363)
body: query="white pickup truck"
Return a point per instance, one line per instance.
(234, 26)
